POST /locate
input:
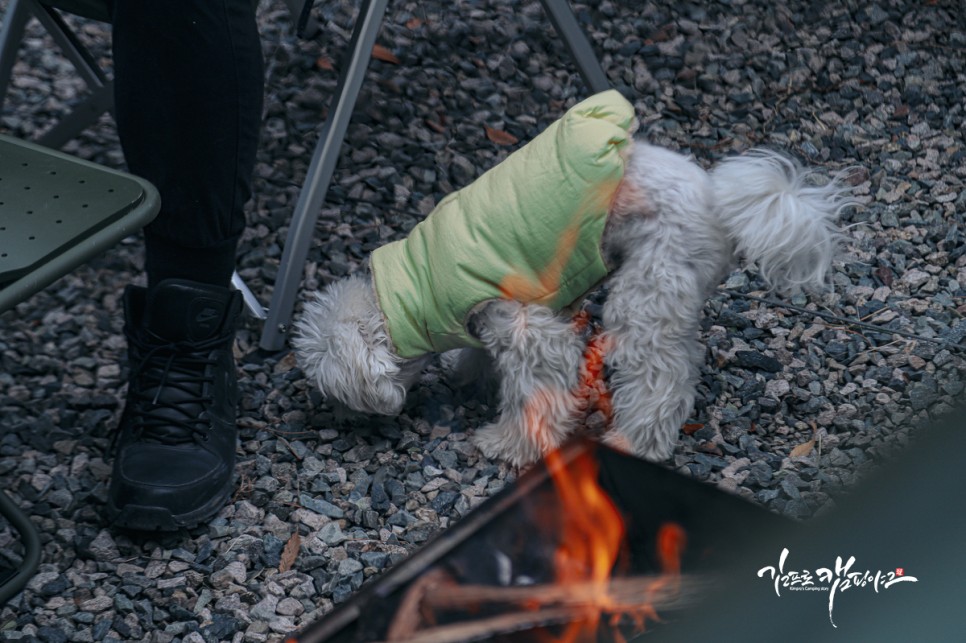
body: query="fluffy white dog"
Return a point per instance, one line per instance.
(670, 233)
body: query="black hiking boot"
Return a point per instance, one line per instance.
(175, 447)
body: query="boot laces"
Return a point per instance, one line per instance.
(170, 390)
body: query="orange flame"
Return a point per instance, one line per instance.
(592, 538)
(671, 540)
(591, 541)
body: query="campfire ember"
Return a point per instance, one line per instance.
(592, 545)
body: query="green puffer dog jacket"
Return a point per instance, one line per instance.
(529, 229)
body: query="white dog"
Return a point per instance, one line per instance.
(671, 233)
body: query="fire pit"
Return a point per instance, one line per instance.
(590, 545)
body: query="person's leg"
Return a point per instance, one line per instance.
(188, 86)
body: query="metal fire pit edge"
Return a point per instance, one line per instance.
(694, 501)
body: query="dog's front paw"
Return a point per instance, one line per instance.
(496, 443)
(653, 450)
(487, 440)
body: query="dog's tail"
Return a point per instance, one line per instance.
(780, 216)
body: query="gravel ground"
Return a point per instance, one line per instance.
(874, 86)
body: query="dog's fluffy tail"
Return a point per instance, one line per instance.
(780, 216)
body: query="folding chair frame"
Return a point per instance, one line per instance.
(100, 98)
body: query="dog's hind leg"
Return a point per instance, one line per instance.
(672, 252)
(651, 318)
(537, 357)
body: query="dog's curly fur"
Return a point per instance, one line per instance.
(673, 232)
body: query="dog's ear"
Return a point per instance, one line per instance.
(342, 345)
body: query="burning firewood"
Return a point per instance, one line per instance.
(480, 629)
(536, 606)
(410, 613)
(621, 594)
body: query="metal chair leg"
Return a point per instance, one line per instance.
(74, 50)
(302, 227)
(11, 34)
(565, 23)
(99, 101)
(101, 97)
(31, 541)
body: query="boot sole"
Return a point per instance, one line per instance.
(152, 518)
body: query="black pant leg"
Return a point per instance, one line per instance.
(188, 86)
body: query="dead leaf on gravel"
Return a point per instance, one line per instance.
(286, 364)
(290, 552)
(381, 53)
(692, 428)
(802, 449)
(324, 62)
(500, 137)
(439, 128)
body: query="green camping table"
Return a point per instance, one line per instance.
(56, 212)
